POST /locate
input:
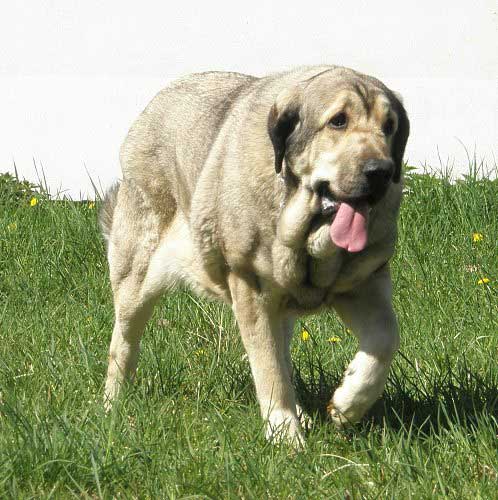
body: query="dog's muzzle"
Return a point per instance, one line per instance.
(378, 174)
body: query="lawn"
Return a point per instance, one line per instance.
(190, 426)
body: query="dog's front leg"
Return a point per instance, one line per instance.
(368, 312)
(261, 328)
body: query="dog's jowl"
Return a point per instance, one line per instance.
(277, 195)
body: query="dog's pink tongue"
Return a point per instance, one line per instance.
(349, 228)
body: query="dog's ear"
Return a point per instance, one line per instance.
(400, 138)
(282, 120)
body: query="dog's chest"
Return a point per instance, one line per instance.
(313, 282)
(322, 273)
(342, 272)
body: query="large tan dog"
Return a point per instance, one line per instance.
(277, 195)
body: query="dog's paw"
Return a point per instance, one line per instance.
(344, 411)
(283, 426)
(110, 393)
(107, 404)
(338, 418)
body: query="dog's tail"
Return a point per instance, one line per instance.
(106, 213)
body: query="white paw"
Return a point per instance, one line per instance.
(107, 404)
(283, 426)
(363, 384)
(347, 407)
(343, 418)
(110, 393)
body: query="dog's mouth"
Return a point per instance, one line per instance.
(348, 220)
(328, 205)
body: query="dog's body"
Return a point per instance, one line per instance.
(202, 205)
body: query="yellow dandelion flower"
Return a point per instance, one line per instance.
(200, 352)
(483, 281)
(33, 202)
(334, 339)
(12, 226)
(476, 237)
(305, 335)
(91, 205)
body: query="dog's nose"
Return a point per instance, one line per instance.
(321, 187)
(378, 172)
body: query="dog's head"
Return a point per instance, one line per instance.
(343, 129)
(343, 135)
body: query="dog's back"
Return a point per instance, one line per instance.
(171, 139)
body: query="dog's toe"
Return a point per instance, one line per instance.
(284, 427)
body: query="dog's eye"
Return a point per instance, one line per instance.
(388, 127)
(339, 120)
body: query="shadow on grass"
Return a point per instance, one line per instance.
(428, 403)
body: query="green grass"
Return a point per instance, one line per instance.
(190, 426)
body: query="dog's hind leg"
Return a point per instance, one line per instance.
(133, 233)
(131, 318)
(288, 322)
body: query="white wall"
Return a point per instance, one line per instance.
(74, 74)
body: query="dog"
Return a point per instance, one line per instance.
(277, 195)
